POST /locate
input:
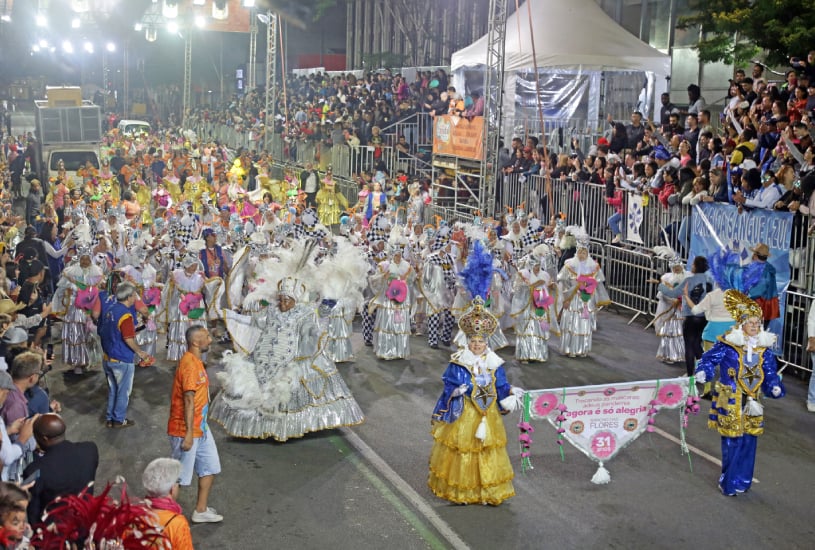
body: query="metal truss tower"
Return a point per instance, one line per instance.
(187, 98)
(493, 104)
(251, 77)
(271, 71)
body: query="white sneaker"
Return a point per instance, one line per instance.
(617, 238)
(209, 516)
(811, 407)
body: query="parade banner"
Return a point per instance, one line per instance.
(459, 137)
(602, 420)
(717, 226)
(634, 218)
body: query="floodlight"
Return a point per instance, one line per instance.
(138, 27)
(200, 21)
(88, 47)
(111, 47)
(75, 22)
(40, 20)
(150, 34)
(67, 47)
(172, 27)
(170, 9)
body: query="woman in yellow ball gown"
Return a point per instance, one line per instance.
(469, 463)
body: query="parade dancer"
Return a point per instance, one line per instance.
(185, 303)
(583, 292)
(286, 387)
(747, 369)
(469, 463)
(392, 327)
(437, 285)
(534, 310)
(668, 319)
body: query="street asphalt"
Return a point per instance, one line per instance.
(366, 487)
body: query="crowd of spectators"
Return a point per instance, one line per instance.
(759, 155)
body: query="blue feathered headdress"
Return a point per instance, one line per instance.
(477, 275)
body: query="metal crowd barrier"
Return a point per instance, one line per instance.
(628, 273)
(794, 353)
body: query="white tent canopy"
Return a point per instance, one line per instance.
(568, 34)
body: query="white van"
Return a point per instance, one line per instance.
(134, 127)
(73, 157)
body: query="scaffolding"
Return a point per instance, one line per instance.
(187, 98)
(271, 71)
(493, 96)
(253, 51)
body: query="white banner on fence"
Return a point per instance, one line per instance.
(634, 218)
(600, 421)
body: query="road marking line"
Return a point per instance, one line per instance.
(407, 492)
(691, 448)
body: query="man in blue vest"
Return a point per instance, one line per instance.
(117, 331)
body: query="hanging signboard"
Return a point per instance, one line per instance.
(459, 137)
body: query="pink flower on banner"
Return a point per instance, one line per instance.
(151, 296)
(669, 395)
(190, 302)
(87, 298)
(545, 403)
(542, 298)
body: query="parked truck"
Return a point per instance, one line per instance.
(69, 130)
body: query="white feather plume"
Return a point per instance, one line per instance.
(344, 274)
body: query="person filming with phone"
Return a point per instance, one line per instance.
(12, 450)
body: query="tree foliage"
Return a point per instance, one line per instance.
(734, 31)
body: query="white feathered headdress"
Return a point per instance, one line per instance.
(294, 262)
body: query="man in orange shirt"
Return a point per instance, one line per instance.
(191, 440)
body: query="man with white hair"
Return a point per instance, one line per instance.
(117, 331)
(160, 480)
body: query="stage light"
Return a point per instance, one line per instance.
(170, 9)
(67, 47)
(43, 43)
(150, 34)
(88, 47)
(40, 20)
(80, 6)
(35, 48)
(199, 2)
(220, 10)
(6, 18)
(172, 27)
(248, 3)
(75, 22)
(138, 27)
(200, 21)
(111, 47)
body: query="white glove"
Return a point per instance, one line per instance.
(461, 390)
(511, 403)
(701, 377)
(776, 391)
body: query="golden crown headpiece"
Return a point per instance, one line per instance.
(478, 321)
(741, 306)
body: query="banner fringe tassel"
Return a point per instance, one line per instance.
(601, 476)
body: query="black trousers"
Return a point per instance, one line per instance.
(692, 328)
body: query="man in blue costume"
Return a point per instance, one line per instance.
(765, 291)
(747, 369)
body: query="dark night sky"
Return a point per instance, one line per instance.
(162, 60)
